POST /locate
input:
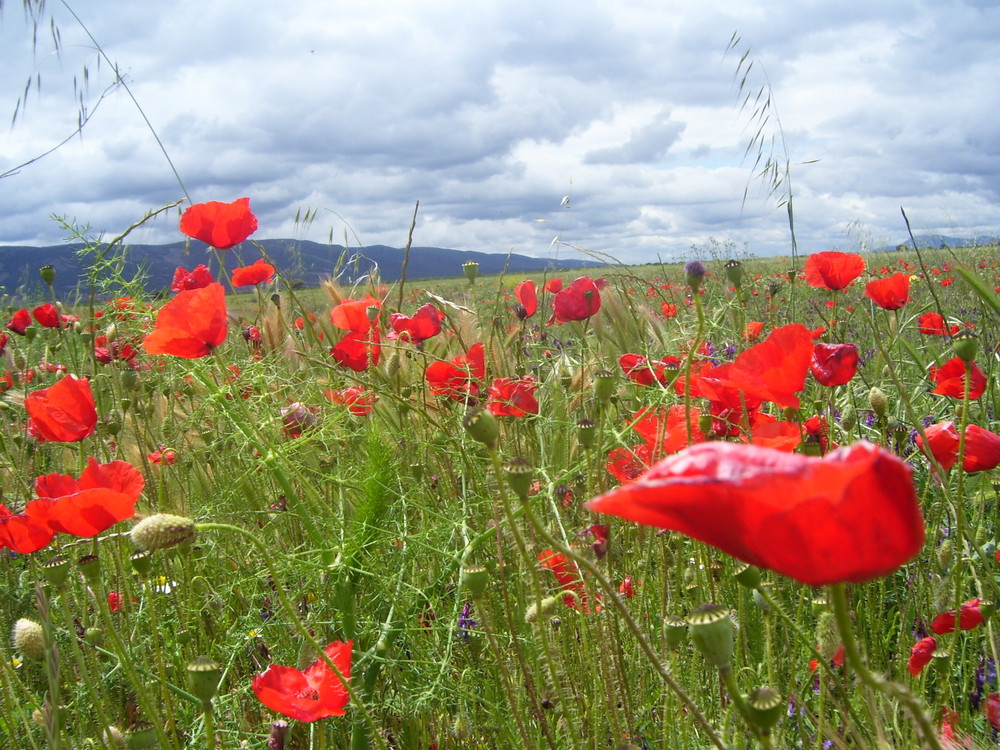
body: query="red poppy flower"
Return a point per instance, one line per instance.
(992, 710)
(568, 577)
(668, 430)
(103, 495)
(457, 378)
(62, 413)
(969, 617)
(220, 225)
(669, 309)
(23, 532)
(628, 464)
(19, 322)
(114, 601)
(46, 315)
(932, 324)
(553, 286)
(357, 316)
(834, 364)
(921, 655)
(850, 516)
(310, 694)
(528, 297)
(162, 457)
(950, 379)
(359, 401)
(578, 301)
(833, 270)
(753, 330)
(768, 432)
(259, 272)
(512, 397)
(836, 661)
(185, 280)
(982, 447)
(425, 324)
(646, 372)
(358, 350)
(890, 293)
(298, 418)
(190, 325)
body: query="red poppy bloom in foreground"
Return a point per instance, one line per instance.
(921, 655)
(513, 397)
(457, 377)
(62, 413)
(259, 272)
(969, 617)
(950, 379)
(890, 293)
(185, 280)
(833, 270)
(310, 694)
(47, 315)
(850, 516)
(425, 324)
(103, 495)
(834, 364)
(220, 225)
(22, 532)
(932, 324)
(527, 295)
(578, 301)
(19, 322)
(982, 447)
(190, 325)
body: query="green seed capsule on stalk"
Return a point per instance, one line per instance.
(56, 571)
(518, 472)
(766, 706)
(586, 432)
(203, 678)
(734, 272)
(482, 427)
(140, 735)
(965, 345)
(604, 385)
(475, 579)
(712, 633)
(675, 631)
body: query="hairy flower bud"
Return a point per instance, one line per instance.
(28, 637)
(162, 531)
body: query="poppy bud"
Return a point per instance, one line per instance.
(28, 637)
(475, 579)
(518, 472)
(48, 274)
(203, 678)
(766, 706)
(760, 601)
(878, 402)
(675, 630)
(712, 633)
(747, 575)
(56, 571)
(482, 426)
(694, 272)
(946, 553)
(94, 636)
(734, 273)
(90, 566)
(586, 432)
(966, 345)
(162, 531)
(392, 364)
(848, 418)
(604, 385)
(827, 635)
(113, 737)
(471, 269)
(140, 735)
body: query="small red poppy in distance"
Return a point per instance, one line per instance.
(528, 297)
(642, 371)
(310, 694)
(513, 397)
(969, 617)
(19, 322)
(190, 325)
(921, 655)
(23, 532)
(850, 516)
(458, 377)
(834, 364)
(220, 225)
(62, 413)
(425, 323)
(982, 447)
(568, 577)
(259, 272)
(890, 293)
(103, 495)
(579, 301)
(47, 315)
(950, 379)
(833, 270)
(932, 324)
(185, 280)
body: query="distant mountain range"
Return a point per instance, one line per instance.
(300, 260)
(943, 240)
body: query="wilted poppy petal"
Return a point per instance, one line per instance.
(850, 516)
(190, 325)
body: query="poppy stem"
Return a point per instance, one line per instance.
(892, 690)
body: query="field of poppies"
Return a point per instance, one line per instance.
(733, 503)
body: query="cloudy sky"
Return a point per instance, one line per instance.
(491, 112)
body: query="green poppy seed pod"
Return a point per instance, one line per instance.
(162, 531)
(586, 432)
(734, 272)
(28, 638)
(90, 566)
(30, 334)
(129, 378)
(766, 706)
(475, 579)
(705, 423)
(140, 735)
(946, 553)
(482, 427)
(712, 633)
(675, 631)
(518, 472)
(142, 562)
(56, 571)
(819, 605)
(987, 608)
(605, 382)
(94, 636)
(966, 345)
(48, 274)
(878, 402)
(941, 662)
(203, 678)
(747, 575)
(113, 423)
(848, 418)
(471, 269)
